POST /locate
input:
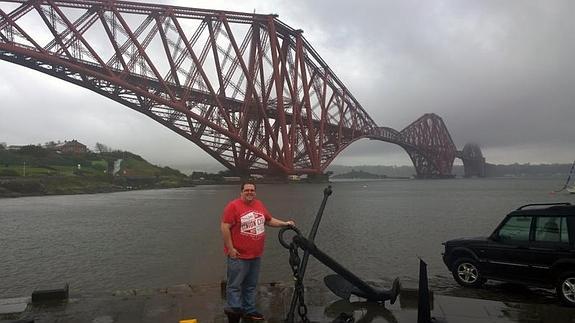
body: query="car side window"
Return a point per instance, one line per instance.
(516, 229)
(551, 229)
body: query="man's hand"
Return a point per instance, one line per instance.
(233, 253)
(280, 223)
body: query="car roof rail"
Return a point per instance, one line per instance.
(542, 204)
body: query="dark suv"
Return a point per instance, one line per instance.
(534, 245)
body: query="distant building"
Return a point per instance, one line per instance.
(72, 147)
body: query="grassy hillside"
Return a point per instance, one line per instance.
(34, 170)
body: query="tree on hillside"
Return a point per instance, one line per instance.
(33, 150)
(51, 145)
(3, 146)
(101, 148)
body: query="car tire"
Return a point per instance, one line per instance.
(566, 288)
(466, 273)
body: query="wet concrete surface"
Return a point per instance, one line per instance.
(205, 304)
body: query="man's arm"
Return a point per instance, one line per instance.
(273, 222)
(227, 235)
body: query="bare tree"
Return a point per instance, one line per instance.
(101, 148)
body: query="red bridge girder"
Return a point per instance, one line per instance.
(246, 88)
(432, 149)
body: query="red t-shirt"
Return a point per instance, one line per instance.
(247, 227)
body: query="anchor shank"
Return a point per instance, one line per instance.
(326, 193)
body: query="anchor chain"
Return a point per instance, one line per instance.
(295, 261)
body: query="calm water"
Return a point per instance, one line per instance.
(160, 238)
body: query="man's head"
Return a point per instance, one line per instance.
(248, 191)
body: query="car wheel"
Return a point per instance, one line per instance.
(466, 273)
(566, 288)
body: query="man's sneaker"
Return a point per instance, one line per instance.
(254, 316)
(234, 314)
(233, 310)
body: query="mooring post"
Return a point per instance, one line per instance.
(423, 306)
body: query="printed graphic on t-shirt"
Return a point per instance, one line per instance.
(252, 224)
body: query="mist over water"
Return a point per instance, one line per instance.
(161, 238)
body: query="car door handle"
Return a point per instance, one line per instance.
(522, 247)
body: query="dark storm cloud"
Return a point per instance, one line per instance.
(499, 73)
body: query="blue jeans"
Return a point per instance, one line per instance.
(242, 283)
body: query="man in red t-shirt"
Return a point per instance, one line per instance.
(243, 229)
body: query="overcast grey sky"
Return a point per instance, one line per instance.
(499, 73)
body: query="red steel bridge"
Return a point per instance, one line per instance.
(246, 88)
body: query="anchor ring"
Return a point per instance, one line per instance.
(281, 235)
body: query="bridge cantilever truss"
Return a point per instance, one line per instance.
(246, 88)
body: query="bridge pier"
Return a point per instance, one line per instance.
(318, 178)
(473, 160)
(474, 167)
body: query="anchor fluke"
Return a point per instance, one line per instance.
(339, 286)
(395, 290)
(344, 289)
